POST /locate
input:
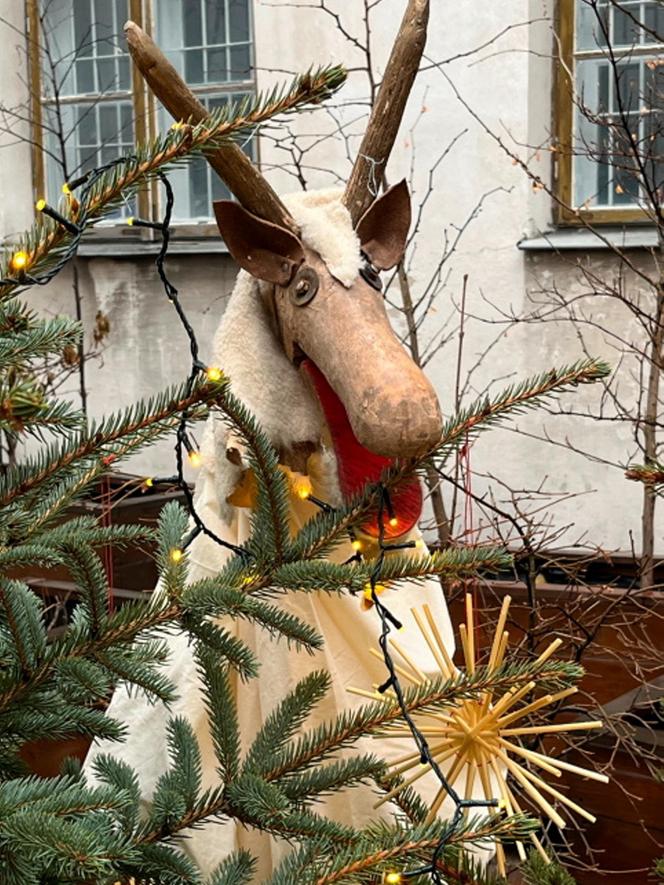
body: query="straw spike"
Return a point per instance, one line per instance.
(411, 663)
(433, 647)
(470, 634)
(441, 645)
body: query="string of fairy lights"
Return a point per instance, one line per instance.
(20, 261)
(185, 449)
(388, 621)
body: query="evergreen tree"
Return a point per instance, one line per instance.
(62, 830)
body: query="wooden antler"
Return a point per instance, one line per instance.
(388, 110)
(229, 162)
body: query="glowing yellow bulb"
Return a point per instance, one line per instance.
(369, 590)
(195, 459)
(419, 543)
(303, 488)
(213, 373)
(130, 221)
(356, 545)
(19, 260)
(149, 482)
(393, 878)
(176, 554)
(179, 124)
(40, 205)
(65, 189)
(394, 522)
(502, 804)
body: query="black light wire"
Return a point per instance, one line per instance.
(87, 182)
(388, 622)
(164, 229)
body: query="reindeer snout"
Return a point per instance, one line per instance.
(399, 420)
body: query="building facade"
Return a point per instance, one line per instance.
(495, 244)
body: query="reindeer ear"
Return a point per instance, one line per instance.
(383, 229)
(267, 251)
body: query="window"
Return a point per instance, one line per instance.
(610, 104)
(209, 43)
(93, 107)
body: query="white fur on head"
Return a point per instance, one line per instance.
(326, 227)
(249, 351)
(247, 347)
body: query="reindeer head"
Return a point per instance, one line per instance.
(336, 330)
(340, 327)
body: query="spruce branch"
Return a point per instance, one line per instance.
(235, 870)
(537, 872)
(46, 245)
(383, 848)
(110, 440)
(515, 399)
(648, 474)
(270, 536)
(39, 338)
(312, 747)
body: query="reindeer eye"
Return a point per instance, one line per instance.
(304, 287)
(371, 276)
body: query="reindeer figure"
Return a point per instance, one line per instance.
(309, 349)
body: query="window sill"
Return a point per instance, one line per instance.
(567, 239)
(96, 247)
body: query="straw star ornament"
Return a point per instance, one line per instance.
(478, 741)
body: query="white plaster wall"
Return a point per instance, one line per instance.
(147, 349)
(15, 174)
(508, 86)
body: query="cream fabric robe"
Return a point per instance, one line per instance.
(248, 350)
(349, 632)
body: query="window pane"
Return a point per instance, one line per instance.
(87, 124)
(198, 187)
(195, 185)
(85, 76)
(215, 22)
(127, 117)
(592, 140)
(591, 25)
(240, 63)
(193, 66)
(238, 13)
(108, 123)
(105, 31)
(106, 75)
(654, 22)
(198, 36)
(217, 68)
(653, 141)
(619, 108)
(209, 42)
(627, 95)
(124, 84)
(78, 32)
(83, 36)
(92, 138)
(88, 159)
(192, 23)
(603, 167)
(626, 25)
